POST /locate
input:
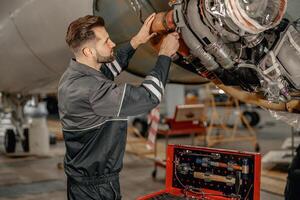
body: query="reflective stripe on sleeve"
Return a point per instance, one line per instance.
(111, 68)
(117, 66)
(156, 81)
(152, 89)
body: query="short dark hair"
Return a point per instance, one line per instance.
(80, 30)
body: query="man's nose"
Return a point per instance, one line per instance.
(112, 44)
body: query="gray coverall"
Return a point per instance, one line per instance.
(93, 112)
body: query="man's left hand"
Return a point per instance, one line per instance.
(143, 35)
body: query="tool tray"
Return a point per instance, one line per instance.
(207, 173)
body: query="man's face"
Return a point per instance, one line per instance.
(103, 46)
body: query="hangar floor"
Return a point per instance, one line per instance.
(31, 178)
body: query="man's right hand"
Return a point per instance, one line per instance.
(169, 45)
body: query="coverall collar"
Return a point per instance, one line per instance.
(84, 68)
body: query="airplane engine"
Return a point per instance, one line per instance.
(244, 43)
(237, 43)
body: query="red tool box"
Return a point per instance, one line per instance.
(210, 174)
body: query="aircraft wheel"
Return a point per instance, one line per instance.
(25, 142)
(52, 106)
(10, 141)
(257, 148)
(252, 117)
(141, 125)
(154, 174)
(52, 139)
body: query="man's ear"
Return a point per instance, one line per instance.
(87, 52)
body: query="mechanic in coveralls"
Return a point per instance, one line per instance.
(94, 110)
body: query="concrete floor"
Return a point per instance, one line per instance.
(135, 180)
(31, 178)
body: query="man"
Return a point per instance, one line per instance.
(93, 109)
(292, 191)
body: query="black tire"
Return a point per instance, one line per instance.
(52, 139)
(25, 142)
(52, 105)
(252, 117)
(153, 174)
(10, 141)
(141, 125)
(257, 148)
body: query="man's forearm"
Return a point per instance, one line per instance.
(135, 43)
(124, 54)
(161, 69)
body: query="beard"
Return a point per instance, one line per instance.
(105, 59)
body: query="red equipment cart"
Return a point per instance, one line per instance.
(210, 174)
